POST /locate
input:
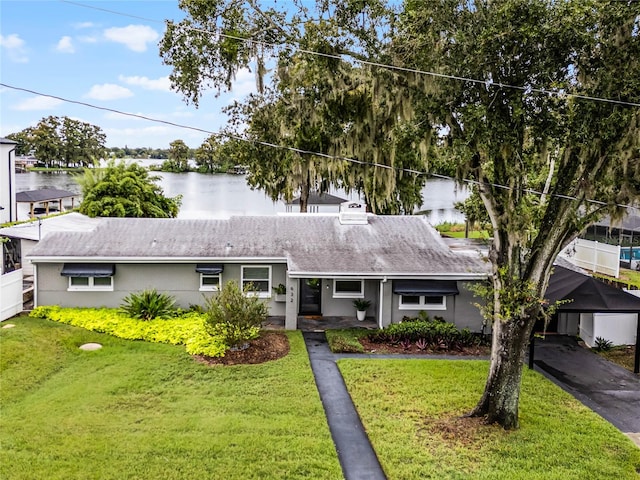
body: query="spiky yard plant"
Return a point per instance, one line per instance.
(148, 304)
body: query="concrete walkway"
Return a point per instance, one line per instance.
(356, 455)
(608, 389)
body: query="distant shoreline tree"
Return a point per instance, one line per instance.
(63, 142)
(178, 161)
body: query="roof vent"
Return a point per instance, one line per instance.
(353, 213)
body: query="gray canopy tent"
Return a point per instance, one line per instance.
(585, 294)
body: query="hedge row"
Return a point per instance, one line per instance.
(186, 329)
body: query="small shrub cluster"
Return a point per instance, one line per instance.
(426, 334)
(603, 345)
(235, 316)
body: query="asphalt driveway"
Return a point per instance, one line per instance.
(608, 389)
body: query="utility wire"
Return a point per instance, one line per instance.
(309, 152)
(378, 64)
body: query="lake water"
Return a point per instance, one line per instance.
(222, 195)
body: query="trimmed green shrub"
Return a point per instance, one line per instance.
(148, 304)
(435, 333)
(234, 315)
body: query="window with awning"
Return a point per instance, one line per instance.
(88, 270)
(210, 276)
(428, 288)
(89, 276)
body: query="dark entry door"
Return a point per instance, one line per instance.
(310, 296)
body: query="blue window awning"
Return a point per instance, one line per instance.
(88, 270)
(209, 268)
(425, 287)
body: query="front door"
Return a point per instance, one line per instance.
(310, 296)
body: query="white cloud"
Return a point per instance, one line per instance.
(38, 103)
(161, 83)
(65, 45)
(81, 25)
(108, 91)
(135, 37)
(87, 39)
(14, 47)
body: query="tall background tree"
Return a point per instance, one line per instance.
(507, 88)
(63, 142)
(178, 160)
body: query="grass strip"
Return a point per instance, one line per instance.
(412, 412)
(141, 410)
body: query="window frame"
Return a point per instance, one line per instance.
(210, 288)
(351, 294)
(269, 280)
(422, 304)
(91, 286)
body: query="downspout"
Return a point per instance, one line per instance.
(380, 305)
(35, 285)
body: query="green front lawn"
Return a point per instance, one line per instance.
(149, 411)
(411, 410)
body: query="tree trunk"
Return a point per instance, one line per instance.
(304, 197)
(499, 402)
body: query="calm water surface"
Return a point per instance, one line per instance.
(220, 196)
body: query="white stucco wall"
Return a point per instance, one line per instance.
(587, 329)
(618, 328)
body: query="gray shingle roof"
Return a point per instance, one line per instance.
(37, 229)
(311, 244)
(43, 195)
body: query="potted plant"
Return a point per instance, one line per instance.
(281, 293)
(361, 308)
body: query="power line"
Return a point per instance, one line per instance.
(385, 66)
(309, 152)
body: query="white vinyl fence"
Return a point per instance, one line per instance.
(10, 294)
(594, 256)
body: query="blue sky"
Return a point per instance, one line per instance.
(104, 59)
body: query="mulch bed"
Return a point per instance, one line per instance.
(274, 345)
(269, 346)
(372, 347)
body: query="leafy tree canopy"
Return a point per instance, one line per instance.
(62, 142)
(313, 100)
(178, 160)
(122, 190)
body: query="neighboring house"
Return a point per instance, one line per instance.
(318, 203)
(399, 263)
(10, 268)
